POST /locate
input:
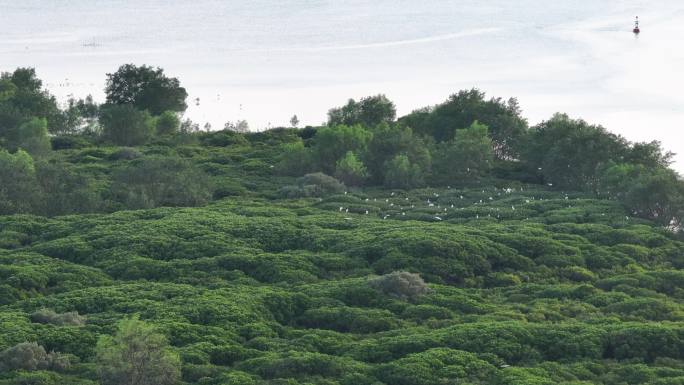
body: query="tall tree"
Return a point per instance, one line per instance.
(469, 155)
(146, 88)
(402, 173)
(506, 125)
(350, 170)
(369, 112)
(33, 137)
(653, 193)
(331, 143)
(19, 191)
(22, 99)
(570, 153)
(167, 123)
(136, 355)
(389, 141)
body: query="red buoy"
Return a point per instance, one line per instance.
(636, 29)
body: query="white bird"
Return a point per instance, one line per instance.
(438, 218)
(341, 208)
(366, 212)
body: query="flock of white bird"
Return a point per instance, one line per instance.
(399, 206)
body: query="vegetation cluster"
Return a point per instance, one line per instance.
(454, 245)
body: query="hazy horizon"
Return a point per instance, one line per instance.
(264, 61)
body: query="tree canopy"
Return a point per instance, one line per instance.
(369, 111)
(146, 88)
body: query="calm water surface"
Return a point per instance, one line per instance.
(265, 60)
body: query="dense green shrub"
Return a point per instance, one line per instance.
(158, 181)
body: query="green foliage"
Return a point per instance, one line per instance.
(18, 183)
(469, 155)
(125, 125)
(136, 354)
(22, 100)
(65, 190)
(570, 153)
(401, 173)
(159, 181)
(657, 194)
(167, 123)
(350, 170)
(295, 159)
(390, 141)
(332, 143)
(436, 366)
(33, 137)
(279, 290)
